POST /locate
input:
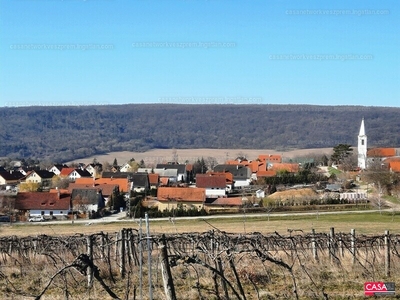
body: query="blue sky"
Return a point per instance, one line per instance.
(75, 52)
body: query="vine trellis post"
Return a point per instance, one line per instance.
(353, 245)
(227, 257)
(89, 240)
(314, 245)
(387, 253)
(140, 260)
(149, 257)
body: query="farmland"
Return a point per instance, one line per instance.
(290, 256)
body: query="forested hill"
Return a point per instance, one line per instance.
(70, 132)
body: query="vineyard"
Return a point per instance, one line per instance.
(130, 264)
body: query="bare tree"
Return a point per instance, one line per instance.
(211, 162)
(385, 178)
(379, 202)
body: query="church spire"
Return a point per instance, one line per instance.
(362, 128)
(362, 147)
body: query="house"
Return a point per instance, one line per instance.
(378, 156)
(10, 178)
(241, 174)
(125, 168)
(167, 176)
(182, 172)
(43, 204)
(254, 165)
(65, 172)
(43, 177)
(381, 152)
(228, 179)
(107, 190)
(140, 182)
(78, 173)
(56, 169)
(214, 185)
(72, 174)
(170, 197)
(154, 180)
(87, 200)
(94, 169)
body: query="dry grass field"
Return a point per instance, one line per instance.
(363, 222)
(163, 155)
(264, 272)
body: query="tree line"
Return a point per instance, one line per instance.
(66, 133)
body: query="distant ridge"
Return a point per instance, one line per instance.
(64, 133)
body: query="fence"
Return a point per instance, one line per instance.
(131, 265)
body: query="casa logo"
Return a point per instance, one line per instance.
(379, 288)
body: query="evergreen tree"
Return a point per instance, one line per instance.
(341, 152)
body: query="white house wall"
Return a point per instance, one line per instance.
(239, 183)
(215, 193)
(47, 213)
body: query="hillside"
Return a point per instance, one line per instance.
(71, 132)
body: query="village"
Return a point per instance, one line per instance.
(263, 184)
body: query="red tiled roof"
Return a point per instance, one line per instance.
(381, 152)
(394, 166)
(234, 201)
(66, 171)
(292, 168)
(106, 189)
(154, 178)
(270, 157)
(181, 194)
(210, 181)
(164, 180)
(61, 191)
(269, 173)
(121, 182)
(42, 201)
(234, 162)
(390, 159)
(256, 165)
(228, 176)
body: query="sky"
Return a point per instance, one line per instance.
(90, 52)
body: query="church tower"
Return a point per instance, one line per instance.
(362, 147)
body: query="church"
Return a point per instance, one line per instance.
(382, 157)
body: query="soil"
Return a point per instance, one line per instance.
(155, 156)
